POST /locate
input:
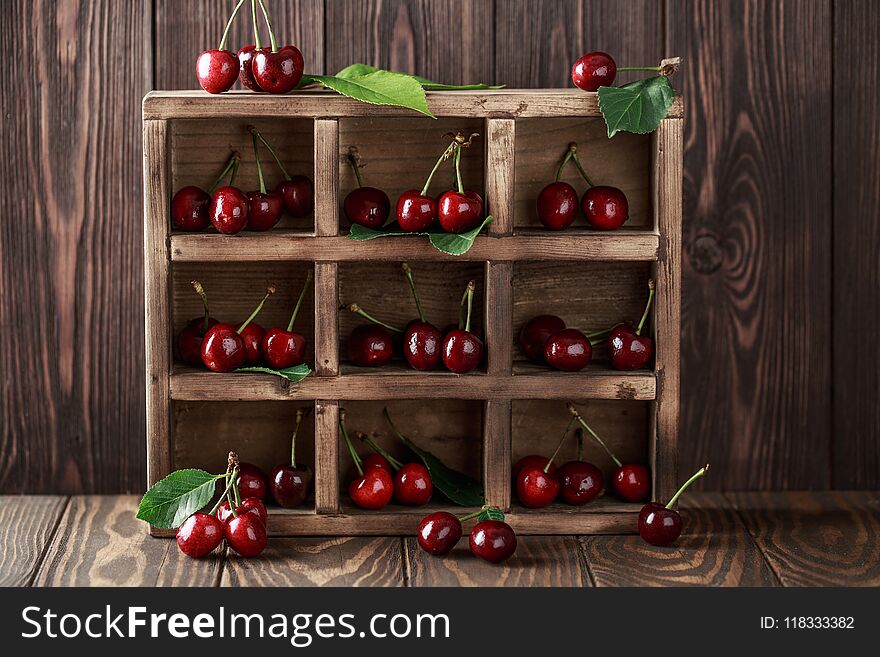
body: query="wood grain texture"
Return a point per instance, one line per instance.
(496, 452)
(715, 549)
(816, 539)
(27, 525)
(500, 173)
(72, 401)
(757, 267)
(538, 561)
(184, 28)
(99, 542)
(856, 276)
(413, 36)
(326, 318)
(326, 177)
(303, 562)
(326, 456)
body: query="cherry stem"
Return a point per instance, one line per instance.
(572, 149)
(443, 157)
(357, 310)
(257, 43)
(599, 334)
(396, 431)
(257, 310)
(595, 436)
(271, 151)
(699, 473)
(412, 286)
(223, 40)
(559, 446)
(269, 25)
(235, 166)
(259, 166)
(354, 455)
(223, 496)
(470, 304)
(647, 306)
(471, 515)
(299, 301)
(458, 170)
(235, 157)
(235, 491)
(397, 465)
(580, 438)
(204, 297)
(580, 167)
(300, 414)
(639, 68)
(354, 160)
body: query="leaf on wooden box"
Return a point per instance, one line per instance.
(378, 88)
(296, 373)
(636, 107)
(357, 70)
(449, 243)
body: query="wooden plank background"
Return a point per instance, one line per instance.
(781, 237)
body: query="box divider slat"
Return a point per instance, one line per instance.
(326, 177)
(500, 169)
(326, 456)
(326, 319)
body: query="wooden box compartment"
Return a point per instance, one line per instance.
(382, 290)
(479, 423)
(200, 148)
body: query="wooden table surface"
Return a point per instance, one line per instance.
(733, 539)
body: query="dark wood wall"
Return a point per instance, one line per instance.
(782, 235)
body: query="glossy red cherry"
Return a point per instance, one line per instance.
(533, 461)
(367, 206)
(284, 348)
(534, 335)
(568, 350)
(628, 349)
(492, 540)
(291, 482)
(278, 72)
(250, 505)
(252, 335)
(438, 533)
(415, 212)
(605, 208)
(189, 208)
(245, 67)
(631, 482)
(217, 70)
(421, 346)
(413, 485)
(252, 482)
(246, 535)
(660, 524)
(264, 210)
(223, 349)
(370, 345)
(557, 205)
(459, 213)
(377, 461)
(298, 195)
(593, 70)
(580, 482)
(229, 210)
(536, 488)
(371, 490)
(462, 350)
(199, 535)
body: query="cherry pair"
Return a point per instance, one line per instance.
(227, 208)
(457, 210)
(412, 481)
(296, 193)
(546, 339)
(290, 483)
(275, 70)
(223, 348)
(604, 207)
(279, 347)
(491, 539)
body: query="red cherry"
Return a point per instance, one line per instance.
(298, 195)
(438, 533)
(246, 535)
(229, 210)
(533, 461)
(580, 482)
(199, 535)
(568, 350)
(290, 485)
(367, 206)
(660, 524)
(372, 490)
(605, 208)
(628, 350)
(462, 351)
(631, 482)
(264, 210)
(250, 505)
(189, 208)
(245, 67)
(413, 485)
(217, 70)
(189, 340)
(593, 70)
(557, 205)
(283, 348)
(492, 540)
(421, 346)
(459, 213)
(252, 335)
(278, 72)
(536, 488)
(223, 350)
(415, 212)
(370, 345)
(534, 335)
(252, 481)
(377, 461)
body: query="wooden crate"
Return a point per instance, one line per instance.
(478, 422)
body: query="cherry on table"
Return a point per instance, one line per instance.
(534, 335)
(492, 540)
(199, 535)
(246, 535)
(660, 524)
(438, 533)
(291, 482)
(218, 69)
(284, 348)
(365, 206)
(628, 349)
(462, 350)
(593, 70)
(249, 505)
(568, 350)
(223, 349)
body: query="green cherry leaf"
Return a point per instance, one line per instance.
(636, 107)
(357, 70)
(379, 88)
(457, 487)
(448, 243)
(491, 513)
(296, 373)
(176, 497)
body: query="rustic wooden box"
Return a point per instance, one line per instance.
(478, 422)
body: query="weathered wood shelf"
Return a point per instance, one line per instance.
(478, 423)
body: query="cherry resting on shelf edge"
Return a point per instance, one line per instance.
(371, 489)
(535, 333)
(421, 340)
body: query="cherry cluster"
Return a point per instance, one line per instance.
(546, 339)
(457, 210)
(424, 346)
(604, 207)
(274, 70)
(231, 210)
(223, 348)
